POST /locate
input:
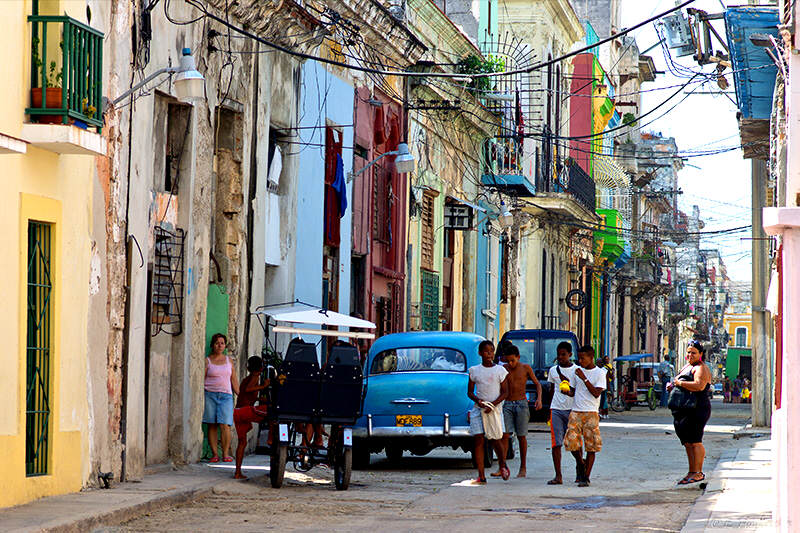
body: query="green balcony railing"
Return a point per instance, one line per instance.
(67, 79)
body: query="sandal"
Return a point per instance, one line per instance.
(214, 459)
(505, 473)
(694, 478)
(227, 459)
(555, 482)
(479, 481)
(686, 479)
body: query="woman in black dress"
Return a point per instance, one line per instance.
(695, 377)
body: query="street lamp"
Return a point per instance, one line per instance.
(506, 219)
(188, 82)
(404, 162)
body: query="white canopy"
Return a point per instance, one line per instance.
(308, 314)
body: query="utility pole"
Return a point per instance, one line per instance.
(760, 318)
(785, 221)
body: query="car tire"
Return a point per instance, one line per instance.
(394, 453)
(360, 455)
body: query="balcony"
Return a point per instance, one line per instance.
(66, 86)
(569, 192)
(503, 170)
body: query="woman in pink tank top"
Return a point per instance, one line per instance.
(220, 384)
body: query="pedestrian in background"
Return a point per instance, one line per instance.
(220, 384)
(583, 429)
(605, 365)
(487, 387)
(560, 376)
(726, 390)
(665, 372)
(690, 421)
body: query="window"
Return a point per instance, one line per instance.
(427, 240)
(38, 349)
(550, 346)
(429, 307)
(382, 200)
(421, 359)
(741, 336)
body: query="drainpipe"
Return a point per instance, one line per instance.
(785, 222)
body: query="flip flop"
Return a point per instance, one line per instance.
(693, 480)
(505, 473)
(214, 459)
(687, 477)
(227, 459)
(555, 482)
(479, 481)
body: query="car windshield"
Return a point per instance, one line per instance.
(527, 350)
(418, 359)
(551, 350)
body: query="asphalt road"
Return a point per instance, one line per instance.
(633, 489)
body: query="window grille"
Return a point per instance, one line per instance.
(382, 193)
(38, 349)
(168, 283)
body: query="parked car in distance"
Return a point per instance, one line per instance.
(415, 394)
(537, 348)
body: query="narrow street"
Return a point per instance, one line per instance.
(633, 489)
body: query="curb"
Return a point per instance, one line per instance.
(703, 506)
(117, 516)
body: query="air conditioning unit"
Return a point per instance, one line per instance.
(678, 34)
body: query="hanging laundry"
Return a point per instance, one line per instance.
(340, 186)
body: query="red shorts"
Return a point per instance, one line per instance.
(243, 418)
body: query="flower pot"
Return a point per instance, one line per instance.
(53, 100)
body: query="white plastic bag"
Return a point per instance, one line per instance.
(493, 426)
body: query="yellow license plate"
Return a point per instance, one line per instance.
(408, 420)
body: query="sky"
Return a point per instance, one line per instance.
(719, 184)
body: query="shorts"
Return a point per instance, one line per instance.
(243, 418)
(516, 417)
(476, 420)
(586, 425)
(218, 408)
(559, 419)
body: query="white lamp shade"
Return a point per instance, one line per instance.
(506, 219)
(404, 162)
(189, 83)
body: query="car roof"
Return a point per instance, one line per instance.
(525, 333)
(465, 342)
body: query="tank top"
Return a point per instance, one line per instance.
(218, 377)
(703, 396)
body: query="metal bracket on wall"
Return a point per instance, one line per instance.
(168, 283)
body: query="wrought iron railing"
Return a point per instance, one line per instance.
(581, 186)
(503, 156)
(66, 82)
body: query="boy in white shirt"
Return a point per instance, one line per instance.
(560, 406)
(586, 386)
(487, 387)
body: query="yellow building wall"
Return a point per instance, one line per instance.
(43, 186)
(731, 322)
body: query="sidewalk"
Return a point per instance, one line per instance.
(86, 510)
(739, 495)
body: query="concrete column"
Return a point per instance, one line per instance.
(785, 221)
(762, 331)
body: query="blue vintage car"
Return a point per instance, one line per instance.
(415, 387)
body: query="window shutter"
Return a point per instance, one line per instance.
(427, 240)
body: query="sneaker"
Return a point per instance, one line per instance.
(479, 481)
(584, 483)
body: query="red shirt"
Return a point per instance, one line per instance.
(247, 398)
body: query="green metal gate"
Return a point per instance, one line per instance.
(38, 352)
(429, 306)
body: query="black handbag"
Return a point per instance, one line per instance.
(681, 399)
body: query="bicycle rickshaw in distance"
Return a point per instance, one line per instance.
(306, 394)
(635, 382)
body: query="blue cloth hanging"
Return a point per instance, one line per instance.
(340, 186)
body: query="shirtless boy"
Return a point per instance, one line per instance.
(515, 408)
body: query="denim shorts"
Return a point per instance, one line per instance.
(559, 420)
(476, 420)
(218, 408)
(516, 415)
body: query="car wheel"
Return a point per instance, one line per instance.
(360, 455)
(394, 453)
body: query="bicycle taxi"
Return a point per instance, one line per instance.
(636, 384)
(305, 394)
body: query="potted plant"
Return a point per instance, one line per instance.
(52, 91)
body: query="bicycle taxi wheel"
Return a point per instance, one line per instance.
(277, 464)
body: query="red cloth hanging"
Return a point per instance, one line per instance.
(333, 147)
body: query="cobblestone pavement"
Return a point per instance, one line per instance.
(633, 489)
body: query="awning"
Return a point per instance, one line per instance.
(469, 204)
(634, 357)
(300, 313)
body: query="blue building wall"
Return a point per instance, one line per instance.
(325, 99)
